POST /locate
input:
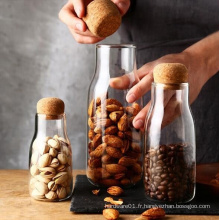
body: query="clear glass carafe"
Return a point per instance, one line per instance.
(169, 170)
(114, 146)
(50, 159)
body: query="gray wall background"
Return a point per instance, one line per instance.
(39, 58)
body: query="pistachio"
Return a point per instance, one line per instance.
(60, 177)
(68, 190)
(69, 171)
(34, 157)
(47, 172)
(42, 179)
(54, 144)
(65, 150)
(34, 170)
(62, 158)
(32, 183)
(51, 195)
(53, 152)
(61, 168)
(37, 195)
(56, 136)
(69, 160)
(54, 163)
(61, 192)
(44, 160)
(52, 186)
(63, 140)
(35, 144)
(47, 139)
(41, 187)
(43, 148)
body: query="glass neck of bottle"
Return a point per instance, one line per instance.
(46, 127)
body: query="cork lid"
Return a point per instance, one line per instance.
(102, 18)
(51, 106)
(170, 73)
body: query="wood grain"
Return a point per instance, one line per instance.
(15, 202)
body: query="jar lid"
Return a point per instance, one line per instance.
(50, 106)
(170, 73)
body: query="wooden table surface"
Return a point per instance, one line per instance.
(15, 202)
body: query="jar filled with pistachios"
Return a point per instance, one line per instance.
(50, 157)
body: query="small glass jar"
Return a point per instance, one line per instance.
(114, 155)
(50, 159)
(169, 170)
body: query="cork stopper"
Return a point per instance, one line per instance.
(51, 107)
(170, 73)
(102, 18)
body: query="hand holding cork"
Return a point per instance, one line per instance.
(90, 21)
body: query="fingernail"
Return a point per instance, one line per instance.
(79, 27)
(131, 97)
(139, 123)
(78, 12)
(122, 6)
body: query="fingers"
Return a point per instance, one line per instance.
(139, 120)
(140, 88)
(68, 16)
(79, 7)
(123, 5)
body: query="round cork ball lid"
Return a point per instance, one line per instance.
(50, 106)
(170, 73)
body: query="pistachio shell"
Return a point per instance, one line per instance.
(61, 168)
(69, 160)
(32, 183)
(56, 136)
(44, 160)
(34, 170)
(42, 179)
(54, 144)
(62, 158)
(51, 195)
(65, 150)
(35, 144)
(68, 190)
(60, 177)
(34, 157)
(61, 192)
(47, 172)
(35, 193)
(47, 139)
(41, 187)
(52, 186)
(69, 171)
(43, 148)
(63, 140)
(54, 163)
(53, 152)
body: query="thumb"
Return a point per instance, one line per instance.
(123, 5)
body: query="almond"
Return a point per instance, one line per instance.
(101, 113)
(103, 123)
(154, 213)
(111, 130)
(106, 159)
(97, 140)
(98, 130)
(112, 108)
(91, 134)
(98, 101)
(131, 111)
(98, 152)
(96, 191)
(113, 202)
(135, 147)
(123, 123)
(115, 168)
(110, 214)
(137, 168)
(136, 106)
(115, 190)
(94, 162)
(91, 108)
(126, 145)
(114, 152)
(113, 101)
(91, 123)
(119, 176)
(115, 116)
(121, 134)
(133, 154)
(126, 161)
(112, 141)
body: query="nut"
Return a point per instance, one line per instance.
(107, 159)
(34, 170)
(91, 134)
(114, 152)
(51, 195)
(61, 192)
(41, 188)
(110, 214)
(62, 158)
(44, 160)
(123, 123)
(98, 152)
(115, 190)
(111, 130)
(91, 108)
(115, 168)
(112, 108)
(112, 201)
(60, 177)
(54, 144)
(126, 161)
(47, 172)
(112, 141)
(154, 213)
(97, 140)
(96, 191)
(52, 186)
(115, 116)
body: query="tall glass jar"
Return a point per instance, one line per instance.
(50, 158)
(114, 146)
(169, 171)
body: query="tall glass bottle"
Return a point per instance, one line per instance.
(114, 155)
(169, 170)
(50, 158)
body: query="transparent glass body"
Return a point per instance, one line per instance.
(169, 170)
(50, 160)
(114, 147)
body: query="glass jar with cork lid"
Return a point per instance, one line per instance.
(50, 157)
(169, 170)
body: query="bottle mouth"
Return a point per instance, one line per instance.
(116, 46)
(171, 86)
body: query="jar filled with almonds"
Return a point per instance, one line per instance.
(114, 155)
(50, 153)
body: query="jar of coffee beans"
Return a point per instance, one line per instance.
(50, 159)
(114, 155)
(169, 166)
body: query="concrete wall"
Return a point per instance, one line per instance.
(39, 58)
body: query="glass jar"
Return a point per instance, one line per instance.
(169, 170)
(50, 159)
(114, 146)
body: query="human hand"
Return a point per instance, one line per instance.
(72, 13)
